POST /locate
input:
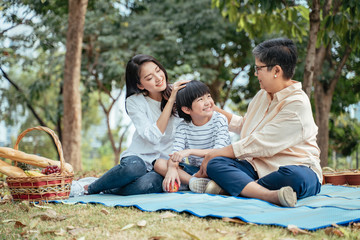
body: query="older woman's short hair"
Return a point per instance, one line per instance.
(279, 51)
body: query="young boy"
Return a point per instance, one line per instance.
(201, 131)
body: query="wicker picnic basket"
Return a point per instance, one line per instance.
(41, 188)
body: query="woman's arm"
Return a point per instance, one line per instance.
(166, 113)
(225, 113)
(227, 151)
(180, 155)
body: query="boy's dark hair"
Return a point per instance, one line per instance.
(186, 96)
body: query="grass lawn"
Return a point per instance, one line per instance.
(21, 220)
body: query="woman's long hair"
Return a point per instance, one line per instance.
(132, 77)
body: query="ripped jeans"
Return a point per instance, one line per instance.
(130, 177)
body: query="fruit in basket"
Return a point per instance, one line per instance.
(33, 173)
(51, 169)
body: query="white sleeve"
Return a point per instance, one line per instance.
(145, 127)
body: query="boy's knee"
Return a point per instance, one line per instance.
(160, 165)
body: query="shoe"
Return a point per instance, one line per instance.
(213, 188)
(287, 197)
(198, 185)
(80, 187)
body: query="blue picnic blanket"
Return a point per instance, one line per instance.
(334, 204)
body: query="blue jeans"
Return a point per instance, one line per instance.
(190, 169)
(130, 177)
(233, 175)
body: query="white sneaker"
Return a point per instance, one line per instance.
(198, 185)
(213, 188)
(287, 197)
(77, 187)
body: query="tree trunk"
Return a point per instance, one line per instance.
(117, 157)
(71, 94)
(323, 99)
(311, 48)
(323, 102)
(357, 157)
(215, 88)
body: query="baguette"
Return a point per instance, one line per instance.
(32, 159)
(11, 171)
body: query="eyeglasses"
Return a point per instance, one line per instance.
(257, 68)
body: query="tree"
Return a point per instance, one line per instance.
(71, 91)
(332, 31)
(190, 38)
(346, 134)
(45, 39)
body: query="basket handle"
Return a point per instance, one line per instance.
(53, 135)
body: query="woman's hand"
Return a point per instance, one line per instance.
(202, 172)
(179, 156)
(171, 176)
(176, 87)
(227, 151)
(163, 120)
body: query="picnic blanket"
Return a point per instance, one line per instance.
(334, 204)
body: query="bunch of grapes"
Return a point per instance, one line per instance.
(50, 170)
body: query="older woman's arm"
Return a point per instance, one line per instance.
(227, 151)
(225, 113)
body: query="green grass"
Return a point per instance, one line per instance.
(99, 222)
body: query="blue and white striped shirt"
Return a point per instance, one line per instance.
(213, 134)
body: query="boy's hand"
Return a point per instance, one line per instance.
(179, 156)
(171, 176)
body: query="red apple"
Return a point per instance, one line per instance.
(175, 188)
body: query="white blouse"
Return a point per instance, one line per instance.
(148, 142)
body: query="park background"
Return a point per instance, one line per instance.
(63, 67)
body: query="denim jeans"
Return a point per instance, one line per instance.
(130, 177)
(190, 169)
(233, 175)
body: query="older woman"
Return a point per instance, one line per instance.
(277, 157)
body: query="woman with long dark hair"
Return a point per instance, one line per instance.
(150, 104)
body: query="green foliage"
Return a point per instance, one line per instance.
(101, 159)
(344, 134)
(188, 37)
(338, 35)
(259, 17)
(341, 25)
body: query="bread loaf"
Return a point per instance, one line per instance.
(11, 171)
(31, 159)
